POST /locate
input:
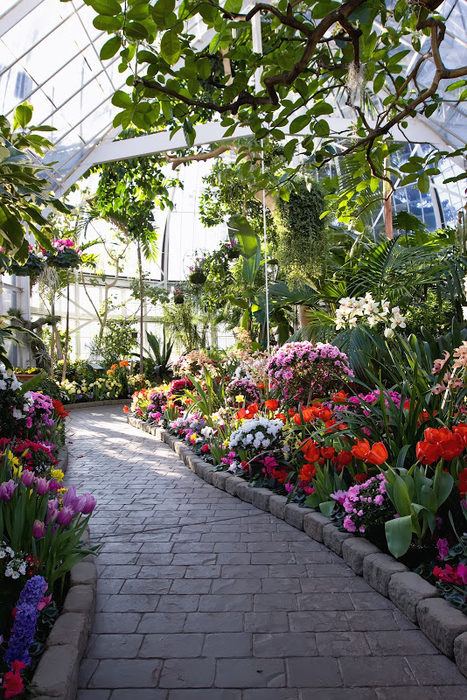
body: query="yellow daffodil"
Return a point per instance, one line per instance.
(57, 474)
(239, 399)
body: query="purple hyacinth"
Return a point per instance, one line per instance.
(25, 621)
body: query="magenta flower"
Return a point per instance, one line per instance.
(65, 516)
(462, 572)
(38, 529)
(443, 548)
(7, 489)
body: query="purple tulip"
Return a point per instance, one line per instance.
(65, 516)
(52, 507)
(42, 486)
(7, 489)
(69, 497)
(89, 505)
(27, 477)
(38, 529)
(79, 503)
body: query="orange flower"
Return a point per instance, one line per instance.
(124, 363)
(378, 454)
(110, 371)
(361, 449)
(340, 397)
(312, 454)
(272, 404)
(125, 409)
(113, 366)
(282, 417)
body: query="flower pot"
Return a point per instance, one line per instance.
(24, 377)
(179, 299)
(197, 277)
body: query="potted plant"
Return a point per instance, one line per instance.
(232, 249)
(197, 274)
(177, 295)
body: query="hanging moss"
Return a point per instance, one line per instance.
(301, 233)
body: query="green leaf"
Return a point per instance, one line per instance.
(189, 132)
(299, 123)
(161, 10)
(233, 6)
(107, 23)
(105, 7)
(322, 128)
(139, 11)
(22, 115)
(110, 48)
(136, 30)
(424, 183)
(327, 507)
(122, 99)
(322, 108)
(170, 47)
(239, 227)
(289, 149)
(399, 535)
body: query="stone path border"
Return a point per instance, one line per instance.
(90, 404)
(445, 626)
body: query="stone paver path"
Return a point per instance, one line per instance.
(204, 597)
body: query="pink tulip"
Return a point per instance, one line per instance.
(89, 505)
(7, 489)
(65, 516)
(52, 507)
(38, 529)
(27, 477)
(42, 486)
(69, 497)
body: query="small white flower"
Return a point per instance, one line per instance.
(389, 333)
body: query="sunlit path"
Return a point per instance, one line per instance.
(204, 597)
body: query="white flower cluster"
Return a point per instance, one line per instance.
(256, 433)
(354, 310)
(8, 382)
(15, 566)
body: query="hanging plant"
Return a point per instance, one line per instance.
(197, 277)
(178, 297)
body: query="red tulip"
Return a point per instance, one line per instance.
(378, 454)
(427, 452)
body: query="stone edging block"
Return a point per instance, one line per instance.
(63, 459)
(56, 675)
(441, 623)
(378, 569)
(445, 626)
(354, 551)
(407, 589)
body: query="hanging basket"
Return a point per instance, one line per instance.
(179, 299)
(197, 277)
(233, 253)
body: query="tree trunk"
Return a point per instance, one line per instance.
(67, 331)
(303, 313)
(141, 318)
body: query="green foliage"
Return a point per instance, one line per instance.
(117, 341)
(24, 192)
(417, 499)
(302, 246)
(160, 357)
(316, 57)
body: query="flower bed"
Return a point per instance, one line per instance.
(42, 528)
(386, 463)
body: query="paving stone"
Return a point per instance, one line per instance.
(354, 551)
(318, 672)
(178, 603)
(282, 645)
(245, 585)
(214, 622)
(205, 694)
(130, 603)
(114, 646)
(378, 569)
(127, 673)
(272, 602)
(340, 644)
(441, 623)
(341, 694)
(117, 623)
(146, 586)
(366, 620)
(233, 644)
(139, 694)
(161, 622)
(408, 694)
(224, 603)
(265, 622)
(378, 671)
(317, 621)
(271, 694)
(193, 673)
(436, 670)
(89, 695)
(407, 589)
(400, 643)
(250, 673)
(325, 601)
(167, 646)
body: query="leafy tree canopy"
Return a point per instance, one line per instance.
(368, 58)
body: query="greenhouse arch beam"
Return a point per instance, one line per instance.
(16, 14)
(109, 150)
